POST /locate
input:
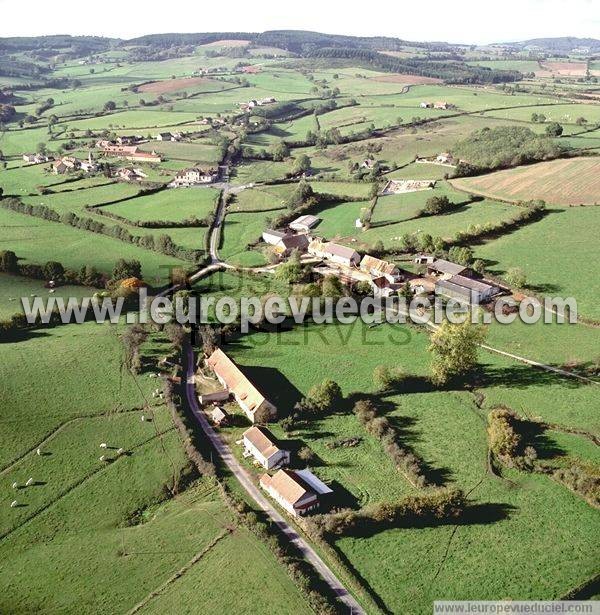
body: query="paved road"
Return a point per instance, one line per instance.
(244, 478)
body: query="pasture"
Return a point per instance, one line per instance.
(549, 252)
(510, 521)
(111, 521)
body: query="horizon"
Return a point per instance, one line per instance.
(467, 22)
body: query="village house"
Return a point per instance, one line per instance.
(465, 289)
(249, 398)
(367, 163)
(445, 158)
(297, 491)
(65, 164)
(304, 224)
(441, 104)
(334, 252)
(168, 136)
(260, 443)
(36, 158)
(285, 243)
(219, 417)
(194, 175)
(130, 174)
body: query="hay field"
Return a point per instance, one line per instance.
(572, 181)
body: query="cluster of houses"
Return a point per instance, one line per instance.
(440, 104)
(297, 491)
(128, 152)
(194, 176)
(257, 103)
(442, 278)
(443, 158)
(169, 136)
(37, 158)
(66, 164)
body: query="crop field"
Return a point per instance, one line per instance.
(571, 181)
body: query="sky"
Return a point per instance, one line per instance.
(455, 21)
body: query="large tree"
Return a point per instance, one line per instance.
(454, 350)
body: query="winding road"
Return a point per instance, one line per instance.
(253, 491)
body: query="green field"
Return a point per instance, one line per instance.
(448, 431)
(548, 252)
(169, 205)
(141, 530)
(37, 241)
(107, 520)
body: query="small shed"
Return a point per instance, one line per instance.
(219, 417)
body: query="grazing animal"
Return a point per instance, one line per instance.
(120, 451)
(13, 503)
(29, 482)
(103, 458)
(15, 485)
(143, 418)
(103, 445)
(39, 451)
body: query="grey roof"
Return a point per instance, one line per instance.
(444, 266)
(279, 234)
(307, 220)
(295, 241)
(339, 250)
(464, 285)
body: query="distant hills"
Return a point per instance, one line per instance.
(563, 44)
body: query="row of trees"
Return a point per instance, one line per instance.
(437, 506)
(163, 243)
(380, 427)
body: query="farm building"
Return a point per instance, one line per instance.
(290, 243)
(260, 443)
(441, 104)
(303, 224)
(297, 491)
(380, 268)
(273, 237)
(65, 164)
(426, 105)
(249, 398)
(129, 139)
(465, 289)
(214, 397)
(334, 252)
(444, 268)
(168, 136)
(219, 417)
(194, 175)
